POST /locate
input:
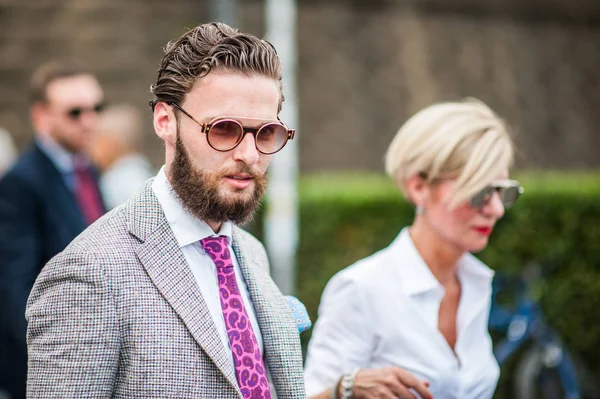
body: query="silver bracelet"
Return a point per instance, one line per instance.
(334, 390)
(347, 384)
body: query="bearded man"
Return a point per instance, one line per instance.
(165, 297)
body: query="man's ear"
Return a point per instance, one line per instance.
(165, 123)
(417, 189)
(39, 117)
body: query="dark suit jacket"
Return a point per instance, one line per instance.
(39, 217)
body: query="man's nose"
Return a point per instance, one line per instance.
(246, 151)
(88, 119)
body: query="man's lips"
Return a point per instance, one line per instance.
(240, 180)
(240, 176)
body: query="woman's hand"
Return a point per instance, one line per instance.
(388, 383)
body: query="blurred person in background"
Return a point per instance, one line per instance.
(411, 320)
(8, 151)
(115, 149)
(47, 198)
(166, 297)
(8, 154)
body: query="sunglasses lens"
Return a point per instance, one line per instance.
(224, 135)
(99, 108)
(271, 138)
(481, 198)
(509, 196)
(74, 113)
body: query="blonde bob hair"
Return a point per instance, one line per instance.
(465, 141)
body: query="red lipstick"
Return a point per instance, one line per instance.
(486, 231)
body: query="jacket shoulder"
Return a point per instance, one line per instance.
(27, 168)
(106, 239)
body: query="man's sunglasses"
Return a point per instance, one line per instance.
(224, 133)
(76, 112)
(508, 190)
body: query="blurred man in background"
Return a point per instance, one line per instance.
(46, 199)
(115, 149)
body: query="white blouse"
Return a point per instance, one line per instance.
(383, 311)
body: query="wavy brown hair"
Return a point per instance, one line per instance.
(210, 47)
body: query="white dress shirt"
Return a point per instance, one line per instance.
(188, 232)
(383, 311)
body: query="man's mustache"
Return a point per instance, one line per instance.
(255, 174)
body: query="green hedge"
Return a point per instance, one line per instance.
(346, 217)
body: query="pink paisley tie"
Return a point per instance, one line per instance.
(247, 358)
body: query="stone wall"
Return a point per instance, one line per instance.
(121, 40)
(364, 66)
(365, 69)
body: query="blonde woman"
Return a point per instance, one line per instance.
(411, 320)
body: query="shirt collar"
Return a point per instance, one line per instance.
(416, 277)
(59, 156)
(186, 228)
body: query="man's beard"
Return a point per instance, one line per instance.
(199, 191)
(65, 142)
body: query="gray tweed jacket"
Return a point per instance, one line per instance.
(118, 314)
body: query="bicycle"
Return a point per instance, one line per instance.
(547, 370)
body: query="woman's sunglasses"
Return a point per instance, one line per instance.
(508, 191)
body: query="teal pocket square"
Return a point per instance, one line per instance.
(300, 314)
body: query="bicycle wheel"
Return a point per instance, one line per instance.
(533, 380)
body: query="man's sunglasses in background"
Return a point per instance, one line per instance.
(76, 112)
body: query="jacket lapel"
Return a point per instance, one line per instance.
(165, 263)
(60, 197)
(281, 339)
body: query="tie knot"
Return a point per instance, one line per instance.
(80, 164)
(218, 250)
